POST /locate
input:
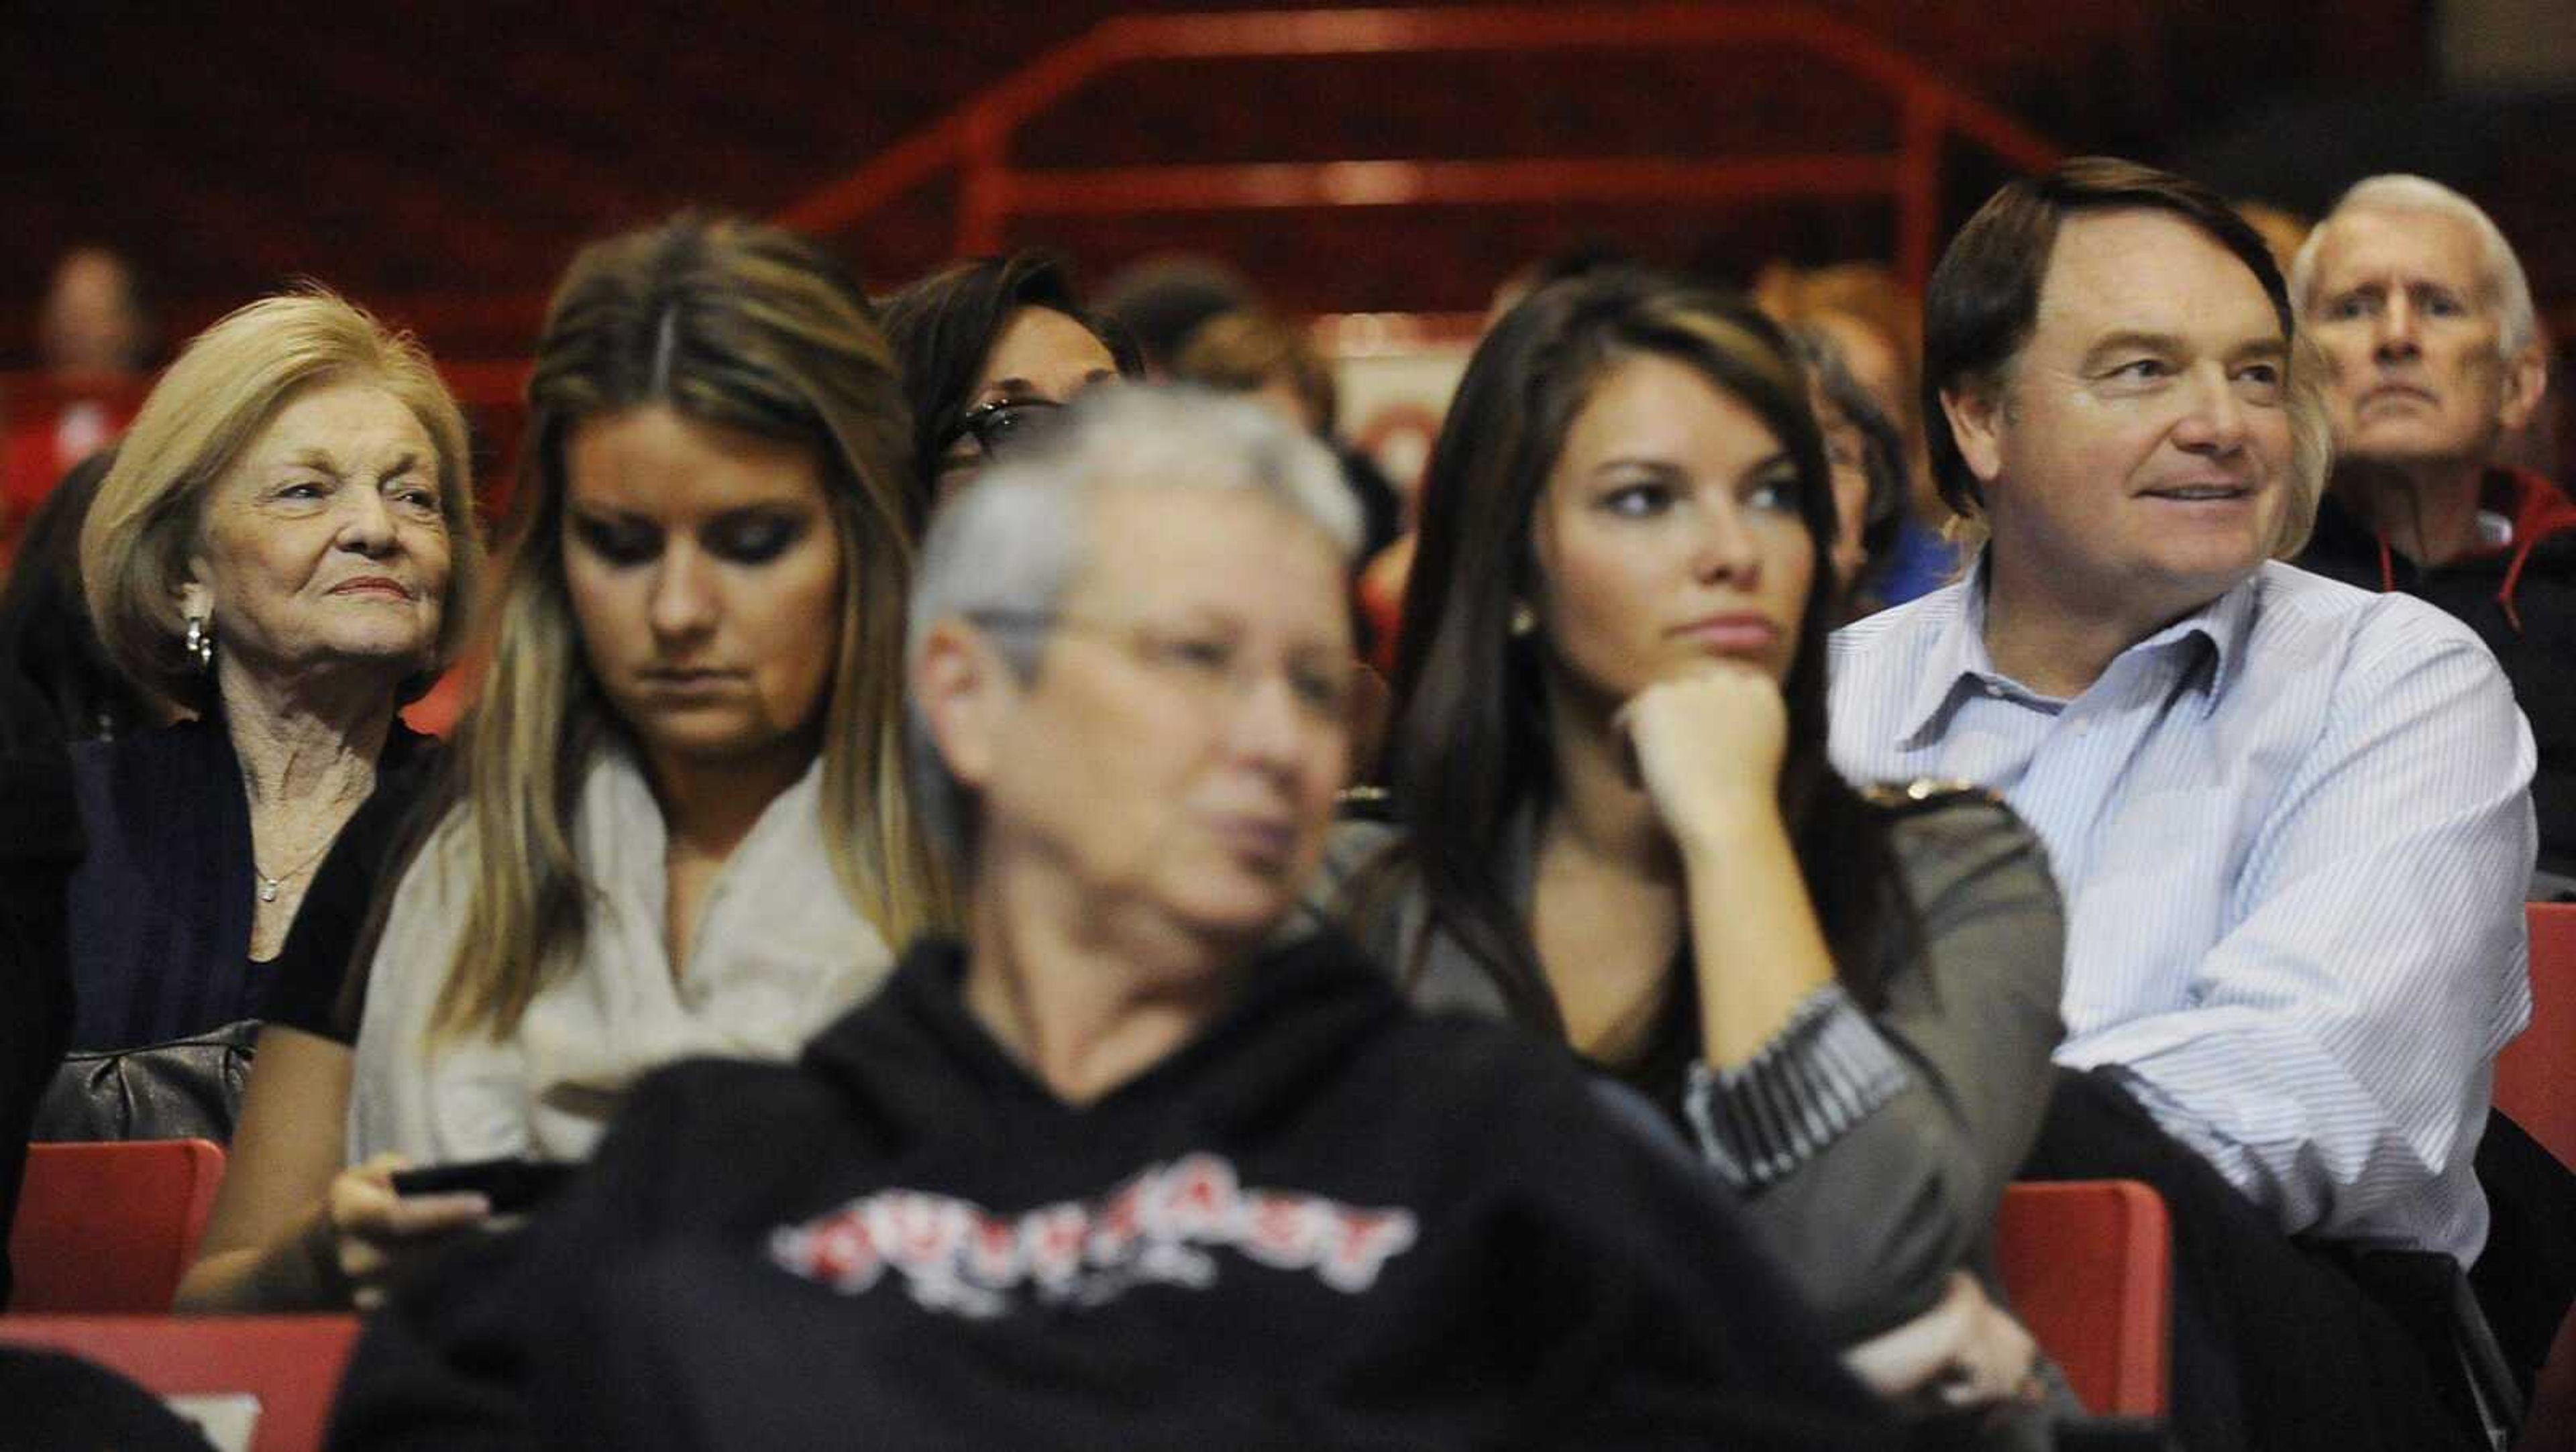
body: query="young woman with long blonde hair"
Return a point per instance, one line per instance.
(675, 821)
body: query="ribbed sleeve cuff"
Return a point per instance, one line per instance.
(1824, 1072)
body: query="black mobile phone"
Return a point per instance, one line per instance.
(511, 1185)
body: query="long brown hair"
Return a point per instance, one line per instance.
(1469, 748)
(742, 325)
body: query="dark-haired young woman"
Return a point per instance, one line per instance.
(989, 349)
(1616, 822)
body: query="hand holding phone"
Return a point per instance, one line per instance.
(509, 1186)
(381, 1216)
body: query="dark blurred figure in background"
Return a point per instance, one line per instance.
(95, 322)
(2281, 230)
(56, 682)
(1252, 353)
(50, 665)
(2536, 445)
(989, 350)
(1876, 327)
(1575, 261)
(1866, 453)
(96, 335)
(2433, 359)
(1161, 301)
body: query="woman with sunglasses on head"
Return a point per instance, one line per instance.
(1617, 824)
(675, 821)
(989, 350)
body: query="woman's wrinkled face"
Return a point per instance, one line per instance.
(1668, 537)
(1042, 360)
(324, 547)
(705, 576)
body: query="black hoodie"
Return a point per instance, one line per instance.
(1324, 1222)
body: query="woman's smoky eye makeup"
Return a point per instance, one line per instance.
(618, 541)
(753, 536)
(742, 537)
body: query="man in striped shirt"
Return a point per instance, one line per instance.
(2292, 819)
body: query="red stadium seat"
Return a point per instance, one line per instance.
(2088, 1265)
(291, 1364)
(2535, 1082)
(2550, 1425)
(109, 1228)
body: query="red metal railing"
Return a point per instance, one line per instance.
(975, 140)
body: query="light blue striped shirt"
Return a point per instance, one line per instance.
(2293, 831)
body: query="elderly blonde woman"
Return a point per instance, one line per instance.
(1119, 1169)
(279, 549)
(676, 821)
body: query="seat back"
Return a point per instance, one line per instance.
(110, 1227)
(2550, 1426)
(2535, 1080)
(2088, 1266)
(291, 1364)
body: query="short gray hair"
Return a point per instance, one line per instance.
(2501, 271)
(1016, 539)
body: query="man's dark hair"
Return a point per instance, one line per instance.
(1984, 298)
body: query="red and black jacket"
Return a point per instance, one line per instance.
(2520, 597)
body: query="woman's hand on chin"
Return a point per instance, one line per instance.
(1708, 747)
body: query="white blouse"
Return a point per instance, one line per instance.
(780, 952)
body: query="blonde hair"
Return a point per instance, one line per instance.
(737, 324)
(210, 407)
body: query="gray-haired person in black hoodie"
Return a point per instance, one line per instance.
(1123, 1168)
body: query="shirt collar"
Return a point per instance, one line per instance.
(1957, 662)
(2225, 623)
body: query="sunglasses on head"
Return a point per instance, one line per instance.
(1005, 425)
